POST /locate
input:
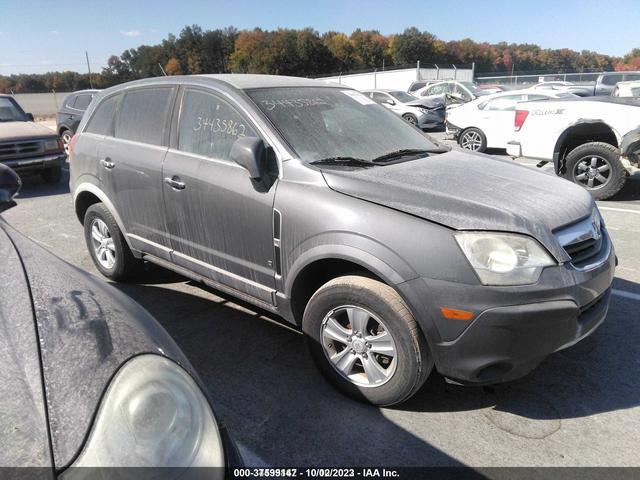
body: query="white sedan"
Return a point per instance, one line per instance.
(488, 122)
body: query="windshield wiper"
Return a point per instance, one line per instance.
(408, 152)
(344, 161)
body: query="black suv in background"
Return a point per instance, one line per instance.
(71, 113)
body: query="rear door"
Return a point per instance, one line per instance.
(130, 165)
(219, 220)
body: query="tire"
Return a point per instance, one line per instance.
(116, 261)
(411, 118)
(473, 139)
(589, 164)
(52, 174)
(400, 373)
(66, 135)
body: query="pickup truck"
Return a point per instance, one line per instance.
(581, 136)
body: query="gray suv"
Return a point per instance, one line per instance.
(391, 252)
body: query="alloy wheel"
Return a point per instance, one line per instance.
(471, 141)
(66, 139)
(592, 171)
(359, 346)
(103, 246)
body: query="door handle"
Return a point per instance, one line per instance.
(107, 163)
(175, 183)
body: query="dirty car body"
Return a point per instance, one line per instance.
(89, 378)
(340, 186)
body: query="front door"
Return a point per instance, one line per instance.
(131, 167)
(219, 220)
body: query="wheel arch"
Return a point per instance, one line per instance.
(581, 132)
(325, 263)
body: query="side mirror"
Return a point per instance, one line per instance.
(9, 185)
(248, 152)
(30, 117)
(390, 102)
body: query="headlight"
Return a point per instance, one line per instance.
(424, 110)
(53, 145)
(153, 415)
(504, 258)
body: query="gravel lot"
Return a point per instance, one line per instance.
(581, 407)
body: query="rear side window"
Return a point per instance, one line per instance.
(143, 115)
(82, 102)
(101, 122)
(209, 125)
(632, 76)
(612, 79)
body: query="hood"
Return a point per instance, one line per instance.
(23, 130)
(23, 422)
(431, 103)
(468, 191)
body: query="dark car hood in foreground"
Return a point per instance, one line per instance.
(24, 440)
(87, 330)
(471, 192)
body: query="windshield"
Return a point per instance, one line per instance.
(10, 111)
(402, 97)
(323, 123)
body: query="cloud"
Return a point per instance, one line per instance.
(153, 30)
(55, 32)
(131, 33)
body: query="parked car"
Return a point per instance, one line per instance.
(606, 82)
(389, 250)
(487, 122)
(26, 146)
(453, 91)
(423, 113)
(417, 85)
(567, 87)
(581, 137)
(627, 89)
(71, 112)
(88, 377)
(493, 88)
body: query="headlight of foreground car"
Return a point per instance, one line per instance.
(153, 414)
(504, 258)
(53, 145)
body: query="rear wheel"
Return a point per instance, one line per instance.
(473, 139)
(52, 174)
(596, 166)
(66, 135)
(365, 340)
(107, 246)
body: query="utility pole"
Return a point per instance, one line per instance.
(88, 68)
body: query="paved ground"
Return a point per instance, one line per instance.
(580, 407)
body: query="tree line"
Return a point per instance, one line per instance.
(305, 52)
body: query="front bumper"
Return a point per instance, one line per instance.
(514, 328)
(42, 162)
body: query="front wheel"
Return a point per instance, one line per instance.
(409, 117)
(107, 246)
(596, 166)
(365, 340)
(66, 139)
(473, 139)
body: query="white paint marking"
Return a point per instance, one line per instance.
(627, 210)
(622, 293)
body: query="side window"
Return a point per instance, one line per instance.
(612, 79)
(101, 122)
(631, 76)
(209, 125)
(82, 102)
(143, 115)
(435, 90)
(507, 103)
(533, 98)
(459, 90)
(380, 97)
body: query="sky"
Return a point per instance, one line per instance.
(38, 36)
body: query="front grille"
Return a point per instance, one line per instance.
(20, 149)
(584, 251)
(583, 241)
